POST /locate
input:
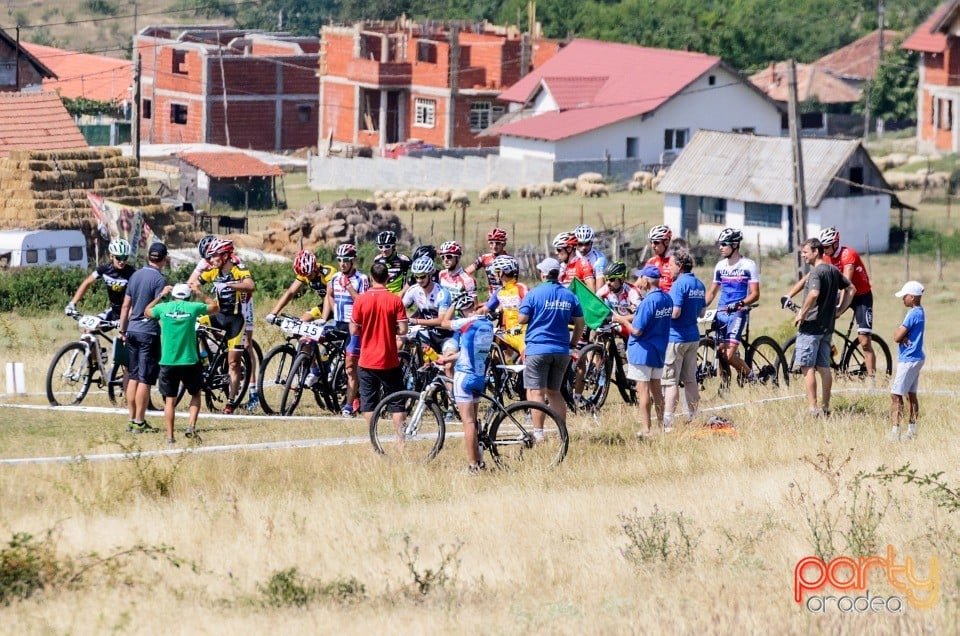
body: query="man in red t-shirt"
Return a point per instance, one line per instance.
(378, 318)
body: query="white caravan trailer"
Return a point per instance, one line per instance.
(29, 248)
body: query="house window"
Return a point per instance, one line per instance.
(943, 114)
(303, 113)
(713, 210)
(483, 115)
(812, 121)
(712, 80)
(426, 112)
(427, 52)
(146, 108)
(749, 130)
(32, 256)
(75, 253)
(179, 62)
(51, 254)
(762, 214)
(178, 113)
(675, 138)
(633, 147)
(856, 181)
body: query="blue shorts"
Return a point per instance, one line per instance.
(813, 350)
(467, 387)
(729, 327)
(144, 362)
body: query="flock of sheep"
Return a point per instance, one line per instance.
(923, 178)
(433, 199)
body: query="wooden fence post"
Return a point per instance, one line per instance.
(906, 256)
(939, 257)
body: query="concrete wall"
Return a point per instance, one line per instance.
(468, 173)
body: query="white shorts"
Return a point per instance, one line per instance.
(643, 373)
(907, 378)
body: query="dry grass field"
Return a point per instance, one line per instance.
(682, 533)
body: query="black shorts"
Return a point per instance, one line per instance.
(232, 324)
(144, 362)
(372, 380)
(171, 377)
(862, 307)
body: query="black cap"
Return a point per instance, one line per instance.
(157, 251)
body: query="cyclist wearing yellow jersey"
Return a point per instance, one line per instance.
(311, 273)
(231, 285)
(397, 264)
(508, 299)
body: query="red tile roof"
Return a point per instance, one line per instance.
(230, 165)
(83, 75)
(599, 83)
(811, 82)
(859, 59)
(927, 39)
(36, 121)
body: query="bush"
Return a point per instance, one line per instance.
(33, 290)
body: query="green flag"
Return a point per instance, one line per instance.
(595, 311)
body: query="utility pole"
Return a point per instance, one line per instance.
(16, 71)
(799, 196)
(135, 118)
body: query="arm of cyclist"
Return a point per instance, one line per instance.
(753, 294)
(711, 293)
(846, 297)
(287, 296)
(327, 310)
(245, 285)
(81, 290)
(797, 286)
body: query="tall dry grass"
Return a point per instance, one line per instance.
(436, 550)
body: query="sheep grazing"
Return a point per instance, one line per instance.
(569, 183)
(586, 189)
(591, 177)
(635, 186)
(533, 191)
(460, 198)
(494, 191)
(644, 178)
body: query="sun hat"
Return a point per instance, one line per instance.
(181, 291)
(911, 287)
(548, 265)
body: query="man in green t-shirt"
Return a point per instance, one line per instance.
(179, 360)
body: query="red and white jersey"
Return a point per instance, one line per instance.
(457, 281)
(576, 267)
(623, 302)
(666, 278)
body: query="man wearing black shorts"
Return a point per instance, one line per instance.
(142, 335)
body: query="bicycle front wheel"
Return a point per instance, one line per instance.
(273, 377)
(516, 444)
(595, 368)
(216, 389)
(766, 360)
(789, 348)
(295, 383)
(708, 366)
(70, 374)
(420, 434)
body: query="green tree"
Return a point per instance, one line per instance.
(893, 92)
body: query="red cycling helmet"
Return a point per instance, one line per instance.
(304, 263)
(496, 234)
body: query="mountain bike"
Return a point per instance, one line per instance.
(604, 362)
(763, 356)
(86, 362)
(848, 360)
(275, 365)
(317, 366)
(214, 350)
(506, 432)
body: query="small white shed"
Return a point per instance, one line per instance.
(746, 181)
(28, 248)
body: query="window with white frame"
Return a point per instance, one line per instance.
(675, 138)
(762, 214)
(483, 114)
(425, 112)
(713, 210)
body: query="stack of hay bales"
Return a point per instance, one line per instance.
(34, 193)
(328, 225)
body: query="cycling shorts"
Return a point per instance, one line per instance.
(467, 387)
(730, 326)
(862, 307)
(233, 325)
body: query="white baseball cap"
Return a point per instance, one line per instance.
(911, 287)
(181, 291)
(548, 265)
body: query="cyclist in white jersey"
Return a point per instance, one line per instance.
(342, 291)
(595, 257)
(737, 279)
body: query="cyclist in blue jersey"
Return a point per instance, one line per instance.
(342, 291)
(473, 334)
(736, 278)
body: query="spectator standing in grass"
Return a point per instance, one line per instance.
(687, 294)
(910, 358)
(378, 317)
(647, 346)
(179, 360)
(548, 309)
(142, 335)
(815, 321)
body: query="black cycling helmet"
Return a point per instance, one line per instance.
(425, 250)
(615, 270)
(204, 243)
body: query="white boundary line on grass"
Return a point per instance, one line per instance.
(311, 443)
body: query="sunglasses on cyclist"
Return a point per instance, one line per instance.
(584, 244)
(420, 276)
(496, 242)
(122, 259)
(345, 259)
(384, 247)
(448, 257)
(658, 242)
(728, 244)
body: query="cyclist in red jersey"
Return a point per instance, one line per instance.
(497, 240)
(660, 236)
(453, 278)
(572, 264)
(850, 264)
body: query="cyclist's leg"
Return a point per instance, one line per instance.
(350, 358)
(235, 336)
(734, 325)
(465, 394)
(863, 311)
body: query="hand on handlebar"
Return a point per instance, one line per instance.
(734, 307)
(271, 319)
(70, 309)
(787, 303)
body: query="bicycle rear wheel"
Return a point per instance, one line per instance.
(115, 389)
(708, 366)
(789, 348)
(421, 433)
(70, 374)
(766, 360)
(273, 377)
(854, 364)
(295, 383)
(216, 389)
(514, 445)
(596, 368)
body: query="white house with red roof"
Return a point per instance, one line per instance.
(614, 107)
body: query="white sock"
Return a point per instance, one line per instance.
(667, 419)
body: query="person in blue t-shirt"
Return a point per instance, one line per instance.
(647, 346)
(687, 294)
(473, 335)
(548, 309)
(910, 358)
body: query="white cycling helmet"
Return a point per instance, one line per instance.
(584, 234)
(423, 266)
(660, 233)
(119, 247)
(829, 236)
